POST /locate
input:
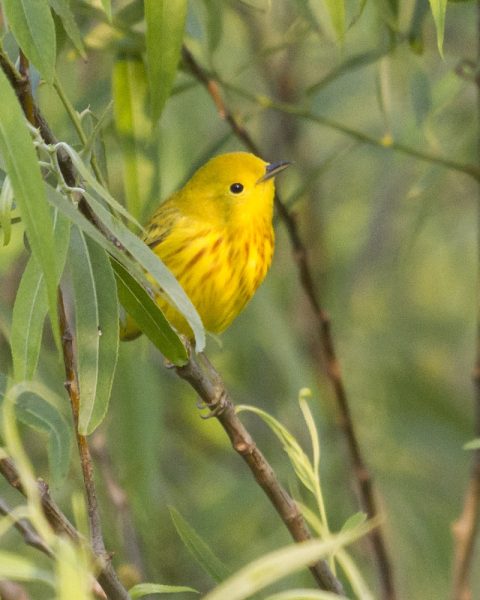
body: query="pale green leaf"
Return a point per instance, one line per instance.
(6, 205)
(165, 20)
(107, 7)
(64, 12)
(32, 25)
(278, 564)
(336, 10)
(97, 333)
(22, 167)
(144, 589)
(148, 316)
(133, 125)
(201, 552)
(36, 410)
(439, 9)
(31, 306)
(472, 445)
(354, 521)
(18, 568)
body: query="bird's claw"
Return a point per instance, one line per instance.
(216, 407)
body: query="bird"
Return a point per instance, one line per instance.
(216, 236)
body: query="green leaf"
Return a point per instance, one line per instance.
(6, 205)
(33, 27)
(37, 408)
(22, 167)
(133, 127)
(97, 329)
(64, 12)
(154, 266)
(67, 208)
(165, 20)
(31, 306)
(17, 568)
(336, 10)
(472, 445)
(439, 8)
(148, 316)
(107, 7)
(200, 551)
(276, 565)
(354, 521)
(143, 589)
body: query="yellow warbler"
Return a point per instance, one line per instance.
(216, 236)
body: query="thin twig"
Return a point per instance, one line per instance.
(106, 577)
(466, 527)
(30, 536)
(9, 590)
(73, 390)
(323, 326)
(209, 385)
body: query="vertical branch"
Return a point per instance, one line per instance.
(322, 325)
(72, 387)
(465, 528)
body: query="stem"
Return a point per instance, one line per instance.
(466, 527)
(322, 325)
(207, 382)
(77, 123)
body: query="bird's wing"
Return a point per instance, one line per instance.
(161, 225)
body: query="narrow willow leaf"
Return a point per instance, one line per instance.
(439, 8)
(133, 125)
(107, 7)
(97, 334)
(65, 14)
(91, 181)
(165, 20)
(22, 167)
(32, 25)
(148, 316)
(354, 521)
(37, 409)
(17, 568)
(67, 208)
(73, 577)
(31, 306)
(300, 462)
(276, 565)
(154, 266)
(6, 205)
(144, 589)
(336, 10)
(201, 552)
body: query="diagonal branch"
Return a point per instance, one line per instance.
(323, 326)
(206, 381)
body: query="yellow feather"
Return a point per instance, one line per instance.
(216, 236)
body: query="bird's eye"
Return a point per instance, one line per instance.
(236, 188)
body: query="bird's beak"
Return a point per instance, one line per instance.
(273, 169)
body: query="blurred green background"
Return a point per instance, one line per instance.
(392, 242)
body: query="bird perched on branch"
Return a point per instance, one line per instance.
(216, 236)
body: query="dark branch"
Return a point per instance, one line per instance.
(209, 385)
(322, 325)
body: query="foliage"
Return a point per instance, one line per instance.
(374, 102)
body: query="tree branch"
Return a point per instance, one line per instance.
(206, 381)
(30, 536)
(323, 326)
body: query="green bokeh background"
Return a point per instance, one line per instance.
(392, 243)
